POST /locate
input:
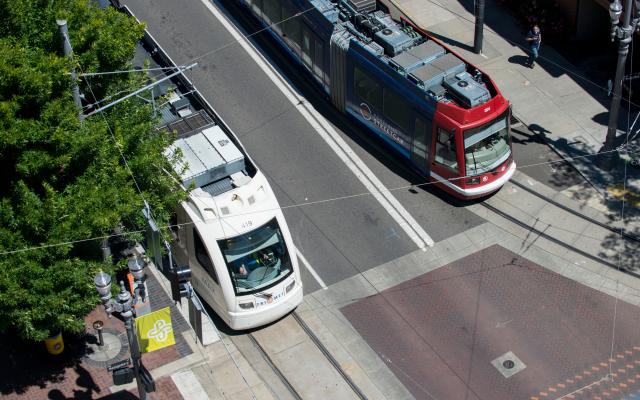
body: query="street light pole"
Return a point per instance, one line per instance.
(124, 305)
(68, 52)
(479, 32)
(607, 154)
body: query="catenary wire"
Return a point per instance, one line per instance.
(296, 205)
(246, 37)
(82, 75)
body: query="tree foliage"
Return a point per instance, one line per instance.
(62, 180)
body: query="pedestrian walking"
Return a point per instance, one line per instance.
(534, 37)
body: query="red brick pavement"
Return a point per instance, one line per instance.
(440, 332)
(75, 376)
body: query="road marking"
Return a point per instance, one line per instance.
(412, 228)
(189, 386)
(311, 270)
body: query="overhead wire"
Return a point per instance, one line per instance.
(302, 204)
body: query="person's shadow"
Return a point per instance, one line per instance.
(519, 59)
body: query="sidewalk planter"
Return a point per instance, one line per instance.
(54, 344)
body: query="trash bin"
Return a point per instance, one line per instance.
(54, 344)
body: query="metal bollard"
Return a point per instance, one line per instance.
(97, 325)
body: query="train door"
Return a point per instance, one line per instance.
(205, 278)
(445, 166)
(420, 146)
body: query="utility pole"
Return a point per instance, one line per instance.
(68, 52)
(607, 154)
(478, 36)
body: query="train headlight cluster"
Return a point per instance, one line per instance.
(290, 286)
(473, 181)
(247, 305)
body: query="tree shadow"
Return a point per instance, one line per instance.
(28, 364)
(622, 251)
(534, 135)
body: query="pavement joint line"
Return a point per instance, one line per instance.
(386, 199)
(311, 270)
(189, 386)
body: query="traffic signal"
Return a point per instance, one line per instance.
(180, 277)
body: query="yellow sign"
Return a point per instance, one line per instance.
(155, 331)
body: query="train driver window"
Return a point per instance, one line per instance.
(203, 256)
(446, 149)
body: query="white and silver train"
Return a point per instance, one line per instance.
(230, 231)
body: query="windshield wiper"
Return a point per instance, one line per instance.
(475, 165)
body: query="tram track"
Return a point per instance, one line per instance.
(620, 231)
(298, 393)
(543, 234)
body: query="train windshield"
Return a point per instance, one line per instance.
(486, 146)
(256, 260)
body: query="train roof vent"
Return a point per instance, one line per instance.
(467, 90)
(394, 40)
(363, 6)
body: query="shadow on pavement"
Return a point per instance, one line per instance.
(28, 364)
(520, 60)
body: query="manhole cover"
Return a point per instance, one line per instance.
(508, 364)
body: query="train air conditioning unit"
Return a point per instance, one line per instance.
(362, 6)
(393, 40)
(467, 90)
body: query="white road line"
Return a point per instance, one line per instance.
(189, 386)
(411, 227)
(311, 270)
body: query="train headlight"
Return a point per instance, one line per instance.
(247, 305)
(473, 181)
(290, 286)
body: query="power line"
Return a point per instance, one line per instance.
(297, 205)
(245, 37)
(129, 70)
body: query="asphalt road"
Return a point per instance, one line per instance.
(339, 238)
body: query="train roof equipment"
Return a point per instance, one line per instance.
(440, 74)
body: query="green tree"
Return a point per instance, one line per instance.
(62, 180)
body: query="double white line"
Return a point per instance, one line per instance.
(411, 227)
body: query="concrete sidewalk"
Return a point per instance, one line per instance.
(552, 99)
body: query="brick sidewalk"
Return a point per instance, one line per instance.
(32, 373)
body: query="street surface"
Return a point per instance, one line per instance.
(515, 273)
(339, 238)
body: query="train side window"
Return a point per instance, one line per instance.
(367, 89)
(397, 110)
(202, 256)
(291, 26)
(256, 6)
(272, 13)
(307, 46)
(318, 60)
(446, 149)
